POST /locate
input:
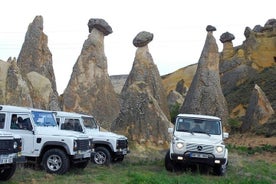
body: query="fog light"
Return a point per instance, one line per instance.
(179, 158)
(217, 161)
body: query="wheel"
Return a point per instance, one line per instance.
(170, 165)
(7, 173)
(101, 156)
(220, 170)
(81, 165)
(55, 161)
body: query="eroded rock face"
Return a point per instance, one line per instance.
(144, 112)
(205, 95)
(260, 47)
(89, 89)
(17, 90)
(259, 110)
(35, 56)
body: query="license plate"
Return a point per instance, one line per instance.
(6, 160)
(198, 155)
(86, 155)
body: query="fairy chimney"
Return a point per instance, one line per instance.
(205, 95)
(144, 112)
(90, 89)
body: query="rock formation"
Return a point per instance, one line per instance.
(259, 46)
(144, 112)
(228, 50)
(205, 95)
(35, 56)
(259, 110)
(248, 61)
(89, 89)
(14, 89)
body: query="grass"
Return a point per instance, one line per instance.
(242, 168)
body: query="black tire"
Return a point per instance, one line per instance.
(219, 170)
(81, 165)
(7, 173)
(101, 156)
(170, 165)
(55, 161)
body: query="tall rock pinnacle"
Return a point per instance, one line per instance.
(35, 56)
(144, 112)
(205, 95)
(89, 89)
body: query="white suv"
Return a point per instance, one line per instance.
(197, 139)
(43, 143)
(108, 146)
(10, 153)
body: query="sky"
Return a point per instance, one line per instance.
(178, 26)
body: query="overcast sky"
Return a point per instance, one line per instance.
(179, 28)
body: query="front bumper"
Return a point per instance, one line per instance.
(82, 154)
(198, 158)
(122, 152)
(7, 158)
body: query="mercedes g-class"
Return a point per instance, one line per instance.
(197, 140)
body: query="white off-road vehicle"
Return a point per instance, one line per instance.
(10, 153)
(108, 146)
(43, 143)
(197, 140)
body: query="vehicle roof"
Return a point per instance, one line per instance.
(18, 109)
(70, 114)
(199, 116)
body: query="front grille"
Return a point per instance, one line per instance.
(6, 146)
(122, 143)
(83, 145)
(200, 148)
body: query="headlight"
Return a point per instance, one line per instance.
(75, 145)
(219, 149)
(180, 145)
(15, 145)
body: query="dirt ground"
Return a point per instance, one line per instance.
(252, 141)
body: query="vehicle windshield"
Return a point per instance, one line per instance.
(207, 126)
(42, 118)
(89, 122)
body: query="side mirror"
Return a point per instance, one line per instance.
(225, 135)
(170, 130)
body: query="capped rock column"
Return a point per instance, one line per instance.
(228, 50)
(144, 112)
(89, 89)
(205, 95)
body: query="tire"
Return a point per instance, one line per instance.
(220, 170)
(55, 161)
(101, 156)
(7, 173)
(81, 165)
(170, 165)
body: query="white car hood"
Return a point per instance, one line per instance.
(97, 133)
(199, 138)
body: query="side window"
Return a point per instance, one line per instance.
(2, 120)
(21, 121)
(68, 124)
